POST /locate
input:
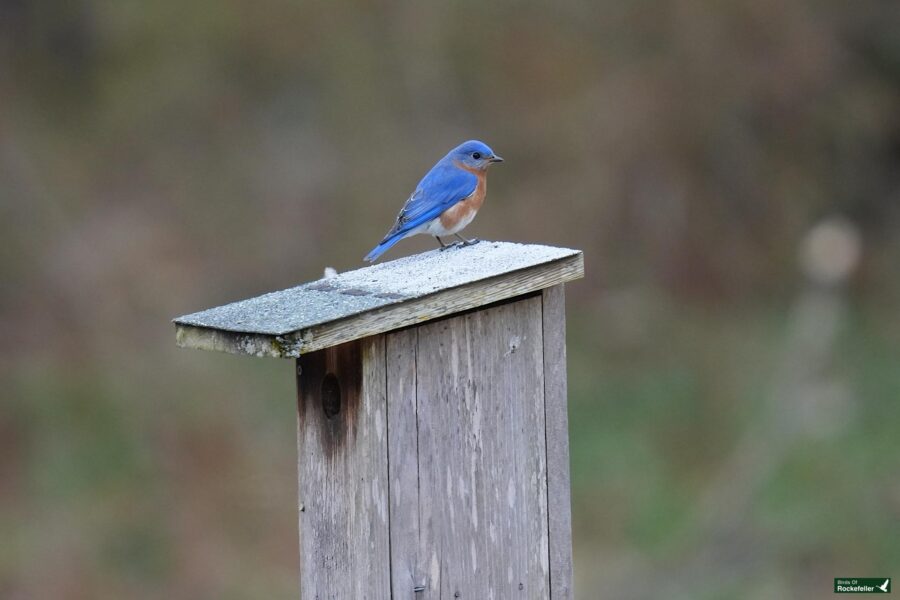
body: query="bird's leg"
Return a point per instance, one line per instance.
(441, 242)
(466, 242)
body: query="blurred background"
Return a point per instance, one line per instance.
(731, 170)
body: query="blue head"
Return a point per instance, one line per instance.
(474, 155)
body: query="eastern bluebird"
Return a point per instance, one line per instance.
(446, 199)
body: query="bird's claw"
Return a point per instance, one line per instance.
(459, 244)
(451, 245)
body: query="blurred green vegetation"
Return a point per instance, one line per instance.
(158, 158)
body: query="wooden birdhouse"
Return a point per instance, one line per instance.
(432, 430)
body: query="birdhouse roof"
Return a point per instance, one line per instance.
(378, 298)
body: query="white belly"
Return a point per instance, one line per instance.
(435, 227)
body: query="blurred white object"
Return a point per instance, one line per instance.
(831, 251)
(330, 272)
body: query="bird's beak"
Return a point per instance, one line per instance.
(495, 158)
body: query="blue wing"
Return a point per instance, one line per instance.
(443, 186)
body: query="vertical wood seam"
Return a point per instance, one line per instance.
(546, 447)
(558, 473)
(418, 456)
(387, 450)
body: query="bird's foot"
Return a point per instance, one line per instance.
(452, 245)
(463, 242)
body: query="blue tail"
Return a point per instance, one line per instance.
(382, 247)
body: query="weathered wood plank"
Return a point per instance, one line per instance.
(408, 569)
(342, 468)
(378, 299)
(556, 407)
(481, 524)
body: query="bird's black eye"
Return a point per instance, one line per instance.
(476, 155)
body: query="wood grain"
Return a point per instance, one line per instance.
(343, 475)
(557, 420)
(444, 470)
(408, 566)
(475, 524)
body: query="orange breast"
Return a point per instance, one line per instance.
(460, 214)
